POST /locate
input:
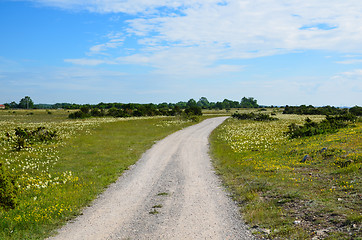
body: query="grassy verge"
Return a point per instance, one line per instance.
(56, 179)
(282, 193)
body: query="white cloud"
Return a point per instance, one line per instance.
(187, 36)
(350, 61)
(178, 62)
(355, 74)
(243, 25)
(114, 40)
(87, 61)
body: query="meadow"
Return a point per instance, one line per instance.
(282, 193)
(57, 178)
(303, 188)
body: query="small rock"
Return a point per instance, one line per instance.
(340, 199)
(322, 232)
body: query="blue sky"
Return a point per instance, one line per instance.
(90, 51)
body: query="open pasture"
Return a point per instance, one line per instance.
(292, 189)
(57, 178)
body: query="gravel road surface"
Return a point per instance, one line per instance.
(171, 193)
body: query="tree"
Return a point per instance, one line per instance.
(194, 110)
(191, 103)
(181, 105)
(13, 105)
(248, 103)
(26, 103)
(356, 110)
(203, 103)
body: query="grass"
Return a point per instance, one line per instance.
(162, 194)
(57, 179)
(157, 206)
(154, 209)
(283, 197)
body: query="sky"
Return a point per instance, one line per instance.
(281, 52)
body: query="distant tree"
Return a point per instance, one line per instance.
(96, 112)
(191, 103)
(176, 111)
(212, 105)
(226, 104)
(181, 105)
(203, 103)
(101, 105)
(13, 105)
(150, 109)
(162, 106)
(310, 110)
(248, 103)
(219, 105)
(85, 109)
(193, 110)
(26, 103)
(356, 110)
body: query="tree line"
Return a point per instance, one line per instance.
(326, 110)
(203, 103)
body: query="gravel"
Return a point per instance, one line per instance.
(171, 193)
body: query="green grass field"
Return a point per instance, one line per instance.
(282, 196)
(58, 178)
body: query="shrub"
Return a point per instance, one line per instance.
(193, 110)
(23, 136)
(95, 112)
(356, 110)
(78, 114)
(8, 188)
(310, 128)
(310, 110)
(253, 116)
(194, 118)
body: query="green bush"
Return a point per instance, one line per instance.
(78, 114)
(8, 189)
(310, 110)
(193, 111)
(356, 110)
(328, 125)
(253, 116)
(24, 137)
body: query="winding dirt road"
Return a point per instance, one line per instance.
(171, 193)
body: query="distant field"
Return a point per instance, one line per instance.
(59, 177)
(282, 193)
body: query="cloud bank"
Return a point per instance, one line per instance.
(188, 39)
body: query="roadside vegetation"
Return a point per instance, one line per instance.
(51, 166)
(293, 185)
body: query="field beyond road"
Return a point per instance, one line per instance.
(303, 188)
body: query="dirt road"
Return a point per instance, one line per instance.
(171, 193)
